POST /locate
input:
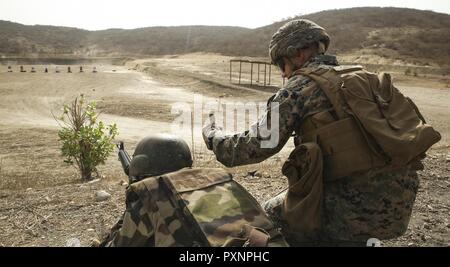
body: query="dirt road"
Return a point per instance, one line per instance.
(42, 203)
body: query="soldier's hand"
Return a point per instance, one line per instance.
(209, 130)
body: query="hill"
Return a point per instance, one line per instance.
(408, 34)
(17, 39)
(390, 32)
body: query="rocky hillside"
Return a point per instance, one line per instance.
(408, 34)
(389, 32)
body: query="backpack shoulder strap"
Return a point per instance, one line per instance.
(329, 80)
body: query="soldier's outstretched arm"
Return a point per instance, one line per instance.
(264, 139)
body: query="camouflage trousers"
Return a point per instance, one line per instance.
(358, 208)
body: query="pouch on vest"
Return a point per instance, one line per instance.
(390, 122)
(220, 209)
(303, 203)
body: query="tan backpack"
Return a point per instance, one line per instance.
(390, 124)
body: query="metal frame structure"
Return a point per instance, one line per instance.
(258, 63)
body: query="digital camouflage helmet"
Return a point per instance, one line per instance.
(297, 34)
(160, 154)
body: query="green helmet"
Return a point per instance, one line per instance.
(160, 154)
(294, 35)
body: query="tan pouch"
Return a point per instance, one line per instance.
(303, 203)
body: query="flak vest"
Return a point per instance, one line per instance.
(372, 125)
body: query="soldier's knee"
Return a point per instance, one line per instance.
(274, 202)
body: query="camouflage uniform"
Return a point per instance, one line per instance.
(299, 99)
(148, 219)
(350, 203)
(219, 213)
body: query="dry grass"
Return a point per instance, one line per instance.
(31, 158)
(59, 206)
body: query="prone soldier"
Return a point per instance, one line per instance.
(169, 203)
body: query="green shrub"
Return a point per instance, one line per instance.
(86, 142)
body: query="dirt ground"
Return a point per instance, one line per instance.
(43, 202)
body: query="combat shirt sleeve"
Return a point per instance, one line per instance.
(248, 147)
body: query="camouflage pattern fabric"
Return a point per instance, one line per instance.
(379, 204)
(192, 207)
(299, 99)
(222, 210)
(274, 209)
(296, 34)
(149, 220)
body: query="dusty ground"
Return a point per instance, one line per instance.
(42, 202)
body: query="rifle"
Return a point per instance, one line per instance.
(125, 159)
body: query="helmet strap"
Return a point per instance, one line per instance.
(321, 48)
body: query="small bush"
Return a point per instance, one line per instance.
(86, 142)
